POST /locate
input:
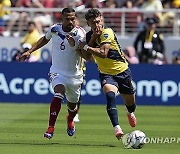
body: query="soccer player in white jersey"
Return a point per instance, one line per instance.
(66, 71)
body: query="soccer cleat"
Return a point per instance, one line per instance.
(132, 119)
(118, 133)
(70, 127)
(49, 133)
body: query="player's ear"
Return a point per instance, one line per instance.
(87, 23)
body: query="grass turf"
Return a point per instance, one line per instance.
(22, 127)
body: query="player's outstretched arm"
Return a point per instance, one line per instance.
(86, 55)
(100, 52)
(40, 43)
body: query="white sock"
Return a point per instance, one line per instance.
(117, 127)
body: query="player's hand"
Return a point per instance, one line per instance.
(97, 32)
(78, 50)
(82, 44)
(70, 40)
(24, 56)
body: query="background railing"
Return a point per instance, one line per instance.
(123, 21)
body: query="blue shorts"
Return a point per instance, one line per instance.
(123, 81)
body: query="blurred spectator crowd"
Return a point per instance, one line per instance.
(42, 20)
(45, 19)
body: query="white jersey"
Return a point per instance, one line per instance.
(65, 60)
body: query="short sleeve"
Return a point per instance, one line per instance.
(80, 36)
(49, 34)
(88, 36)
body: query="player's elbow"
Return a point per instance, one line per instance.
(103, 56)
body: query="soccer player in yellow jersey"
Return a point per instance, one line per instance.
(114, 72)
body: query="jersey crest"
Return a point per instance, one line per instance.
(106, 36)
(74, 32)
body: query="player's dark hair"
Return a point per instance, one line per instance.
(92, 13)
(67, 10)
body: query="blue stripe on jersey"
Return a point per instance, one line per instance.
(56, 29)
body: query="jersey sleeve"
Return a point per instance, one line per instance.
(88, 36)
(49, 33)
(81, 35)
(107, 36)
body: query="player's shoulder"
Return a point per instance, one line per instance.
(56, 27)
(80, 30)
(107, 30)
(88, 36)
(107, 33)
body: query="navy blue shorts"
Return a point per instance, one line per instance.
(123, 81)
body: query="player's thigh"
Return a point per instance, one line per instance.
(125, 82)
(73, 89)
(108, 83)
(110, 87)
(58, 83)
(129, 99)
(59, 88)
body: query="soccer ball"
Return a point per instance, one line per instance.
(135, 139)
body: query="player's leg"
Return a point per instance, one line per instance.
(127, 91)
(76, 118)
(110, 88)
(72, 94)
(55, 106)
(110, 91)
(72, 111)
(129, 100)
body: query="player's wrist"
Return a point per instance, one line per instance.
(30, 51)
(86, 47)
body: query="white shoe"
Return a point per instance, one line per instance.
(6, 33)
(76, 118)
(16, 34)
(118, 132)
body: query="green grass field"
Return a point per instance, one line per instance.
(22, 127)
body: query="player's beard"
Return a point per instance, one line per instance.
(69, 27)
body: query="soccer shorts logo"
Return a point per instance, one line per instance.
(133, 85)
(103, 82)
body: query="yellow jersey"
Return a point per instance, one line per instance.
(32, 38)
(115, 62)
(4, 3)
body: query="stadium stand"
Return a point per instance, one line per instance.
(122, 17)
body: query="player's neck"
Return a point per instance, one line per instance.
(65, 29)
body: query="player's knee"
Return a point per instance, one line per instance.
(111, 100)
(59, 95)
(72, 106)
